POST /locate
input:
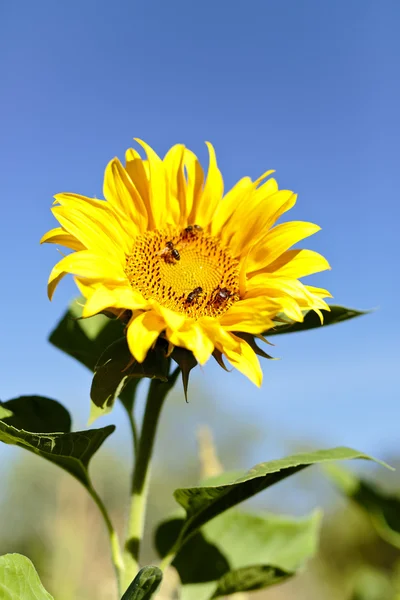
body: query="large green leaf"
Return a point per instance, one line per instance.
(239, 551)
(19, 579)
(248, 579)
(85, 339)
(145, 584)
(382, 508)
(206, 502)
(337, 314)
(71, 451)
(36, 414)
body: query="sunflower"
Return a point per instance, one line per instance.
(179, 259)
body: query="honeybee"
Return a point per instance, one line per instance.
(191, 231)
(194, 295)
(170, 254)
(222, 294)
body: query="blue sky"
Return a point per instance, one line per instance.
(308, 88)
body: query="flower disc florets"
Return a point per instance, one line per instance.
(185, 270)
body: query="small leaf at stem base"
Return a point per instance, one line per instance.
(145, 584)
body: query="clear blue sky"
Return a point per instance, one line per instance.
(308, 88)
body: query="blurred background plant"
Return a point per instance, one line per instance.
(49, 517)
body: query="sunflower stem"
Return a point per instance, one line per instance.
(135, 437)
(116, 554)
(157, 393)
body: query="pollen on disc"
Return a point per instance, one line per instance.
(185, 270)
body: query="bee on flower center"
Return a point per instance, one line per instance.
(194, 295)
(170, 254)
(222, 294)
(191, 231)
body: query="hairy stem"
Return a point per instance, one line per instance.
(158, 391)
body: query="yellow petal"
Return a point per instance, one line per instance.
(158, 199)
(238, 202)
(229, 203)
(123, 298)
(277, 241)
(121, 193)
(244, 359)
(90, 232)
(142, 332)
(195, 178)
(174, 320)
(54, 279)
(173, 162)
(138, 171)
(100, 214)
(292, 295)
(253, 315)
(195, 339)
(319, 292)
(58, 235)
(258, 220)
(298, 263)
(93, 207)
(85, 264)
(203, 211)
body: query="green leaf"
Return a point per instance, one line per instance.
(240, 551)
(337, 314)
(36, 414)
(145, 584)
(116, 367)
(4, 412)
(382, 508)
(85, 339)
(204, 503)
(71, 451)
(19, 579)
(248, 579)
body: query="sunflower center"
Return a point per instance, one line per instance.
(185, 270)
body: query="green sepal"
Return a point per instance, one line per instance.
(186, 362)
(382, 508)
(336, 314)
(19, 579)
(36, 414)
(116, 367)
(203, 503)
(145, 584)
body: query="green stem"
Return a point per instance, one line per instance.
(116, 554)
(135, 437)
(167, 560)
(158, 391)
